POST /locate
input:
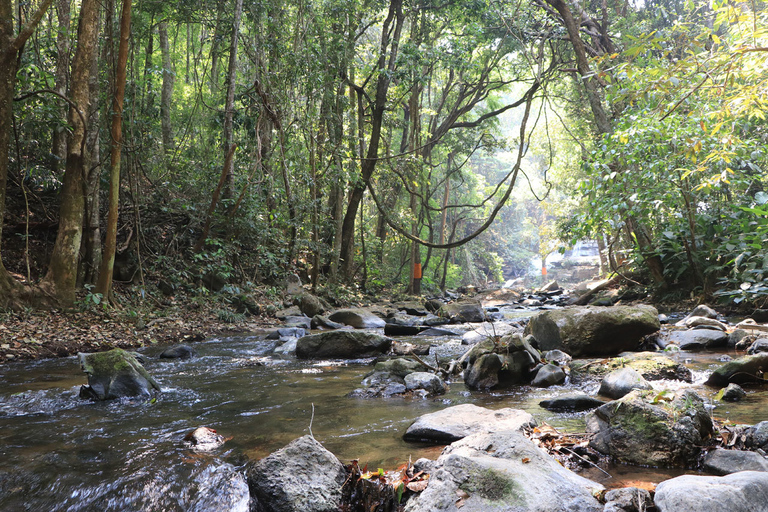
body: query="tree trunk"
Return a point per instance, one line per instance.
(61, 279)
(229, 108)
(104, 285)
(166, 93)
(59, 143)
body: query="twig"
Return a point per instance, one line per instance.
(420, 360)
(586, 460)
(311, 419)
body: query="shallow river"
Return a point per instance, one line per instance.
(61, 453)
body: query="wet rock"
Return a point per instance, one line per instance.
(429, 382)
(588, 330)
(323, 322)
(459, 421)
(463, 312)
(558, 357)
(400, 348)
(736, 336)
(757, 436)
(217, 487)
(745, 491)
(627, 499)
(700, 311)
(177, 352)
(115, 374)
(757, 346)
(204, 439)
(506, 361)
(485, 331)
(701, 321)
(621, 382)
(483, 373)
(288, 346)
(635, 430)
(733, 393)
(739, 371)
(301, 476)
(400, 366)
(698, 339)
(342, 345)
(724, 462)
(571, 403)
(548, 375)
(303, 322)
(432, 331)
(651, 365)
(503, 471)
(312, 305)
(358, 318)
(403, 330)
(287, 332)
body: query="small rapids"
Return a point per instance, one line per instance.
(61, 453)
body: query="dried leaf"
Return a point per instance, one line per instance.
(526, 460)
(417, 486)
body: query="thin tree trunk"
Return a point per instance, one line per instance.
(59, 143)
(61, 279)
(104, 285)
(167, 93)
(229, 108)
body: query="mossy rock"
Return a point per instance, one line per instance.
(115, 374)
(651, 365)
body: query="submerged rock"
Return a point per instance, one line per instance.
(503, 471)
(301, 476)
(459, 421)
(643, 428)
(342, 344)
(204, 439)
(588, 330)
(745, 491)
(115, 374)
(571, 403)
(177, 352)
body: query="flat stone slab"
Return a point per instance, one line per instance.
(745, 491)
(459, 421)
(725, 462)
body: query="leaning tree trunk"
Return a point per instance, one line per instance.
(61, 279)
(166, 93)
(59, 149)
(229, 109)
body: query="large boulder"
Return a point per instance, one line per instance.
(745, 491)
(621, 382)
(508, 360)
(342, 345)
(459, 421)
(739, 371)
(698, 339)
(115, 374)
(358, 318)
(589, 330)
(301, 476)
(644, 429)
(503, 471)
(311, 305)
(429, 382)
(463, 311)
(548, 375)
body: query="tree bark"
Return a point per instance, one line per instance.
(61, 280)
(166, 94)
(229, 108)
(104, 285)
(59, 143)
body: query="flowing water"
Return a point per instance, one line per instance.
(61, 453)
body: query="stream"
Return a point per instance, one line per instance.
(61, 453)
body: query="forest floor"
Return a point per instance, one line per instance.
(31, 334)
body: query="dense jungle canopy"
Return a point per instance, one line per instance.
(368, 143)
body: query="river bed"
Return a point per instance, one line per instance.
(61, 453)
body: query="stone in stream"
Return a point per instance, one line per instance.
(298, 322)
(403, 330)
(459, 421)
(115, 374)
(757, 436)
(621, 382)
(400, 366)
(485, 331)
(177, 352)
(698, 339)
(302, 476)
(757, 346)
(733, 393)
(651, 365)
(429, 382)
(571, 403)
(342, 344)
(745, 491)
(464, 311)
(548, 375)
(358, 318)
(204, 439)
(648, 429)
(311, 305)
(724, 462)
(739, 371)
(590, 330)
(503, 471)
(323, 322)
(627, 499)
